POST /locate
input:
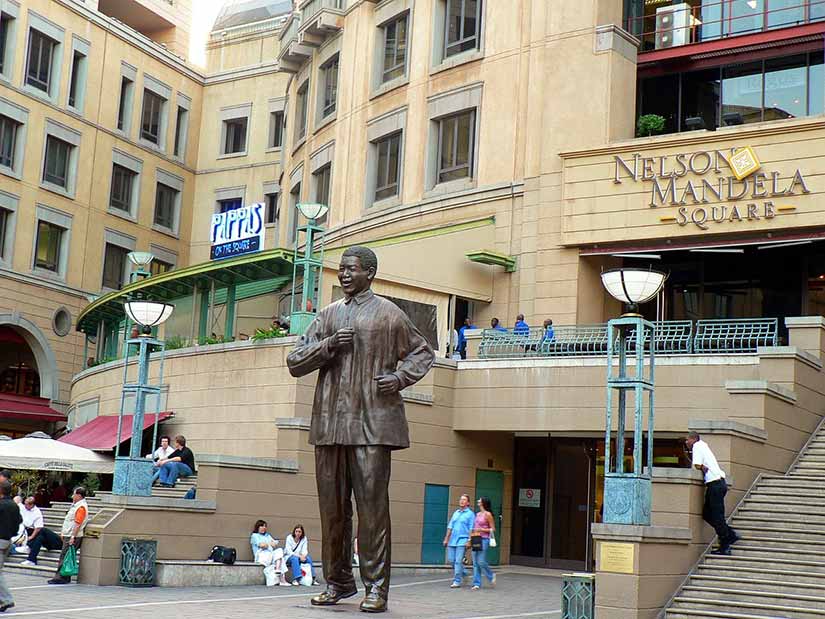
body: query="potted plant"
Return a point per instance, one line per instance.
(650, 124)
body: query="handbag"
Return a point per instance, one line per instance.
(223, 554)
(493, 543)
(69, 567)
(476, 543)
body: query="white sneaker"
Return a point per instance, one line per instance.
(493, 581)
(284, 583)
(28, 563)
(454, 585)
(476, 587)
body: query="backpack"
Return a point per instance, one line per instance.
(223, 554)
(190, 494)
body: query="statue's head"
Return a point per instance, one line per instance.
(357, 269)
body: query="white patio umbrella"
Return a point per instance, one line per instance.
(46, 454)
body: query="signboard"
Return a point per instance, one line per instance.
(529, 497)
(724, 187)
(237, 232)
(616, 557)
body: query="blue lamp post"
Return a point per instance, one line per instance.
(627, 495)
(311, 266)
(133, 473)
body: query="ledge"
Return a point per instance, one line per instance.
(790, 352)
(669, 475)
(292, 423)
(761, 387)
(245, 462)
(639, 533)
(805, 321)
(153, 502)
(417, 397)
(727, 426)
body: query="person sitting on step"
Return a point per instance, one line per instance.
(180, 463)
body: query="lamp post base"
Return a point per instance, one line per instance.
(133, 477)
(626, 499)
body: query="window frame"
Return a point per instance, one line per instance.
(9, 204)
(78, 71)
(20, 116)
(126, 96)
(164, 255)
(56, 35)
(232, 114)
(328, 108)
(135, 166)
(124, 262)
(184, 105)
(175, 184)
(296, 183)
(233, 137)
(157, 104)
(379, 129)
(397, 136)
(301, 112)
(123, 201)
(63, 221)
(384, 70)
(467, 98)
(124, 242)
(455, 139)
(11, 12)
(163, 93)
(441, 61)
(70, 137)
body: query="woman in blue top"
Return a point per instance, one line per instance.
(458, 538)
(266, 551)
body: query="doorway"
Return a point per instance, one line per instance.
(491, 485)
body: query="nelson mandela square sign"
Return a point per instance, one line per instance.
(732, 178)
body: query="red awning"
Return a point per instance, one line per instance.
(13, 406)
(100, 434)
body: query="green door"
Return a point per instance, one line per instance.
(436, 504)
(491, 485)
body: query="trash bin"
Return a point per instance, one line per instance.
(578, 595)
(137, 562)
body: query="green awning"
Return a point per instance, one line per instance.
(265, 266)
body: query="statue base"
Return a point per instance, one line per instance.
(627, 499)
(133, 477)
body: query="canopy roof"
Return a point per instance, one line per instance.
(265, 265)
(45, 454)
(13, 406)
(100, 434)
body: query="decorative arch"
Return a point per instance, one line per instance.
(43, 353)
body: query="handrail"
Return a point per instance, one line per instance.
(726, 25)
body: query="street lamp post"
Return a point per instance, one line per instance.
(627, 495)
(133, 474)
(312, 267)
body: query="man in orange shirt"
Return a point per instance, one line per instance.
(72, 532)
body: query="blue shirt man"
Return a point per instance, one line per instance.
(495, 325)
(549, 334)
(521, 327)
(461, 348)
(458, 534)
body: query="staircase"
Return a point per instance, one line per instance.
(777, 569)
(54, 515)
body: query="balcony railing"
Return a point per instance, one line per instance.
(311, 8)
(683, 24)
(289, 33)
(675, 337)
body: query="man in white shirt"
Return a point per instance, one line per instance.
(715, 490)
(161, 453)
(32, 524)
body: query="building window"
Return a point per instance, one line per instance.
(272, 211)
(234, 135)
(322, 180)
(124, 106)
(329, 103)
(276, 129)
(156, 267)
(301, 110)
(181, 131)
(56, 167)
(5, 224)
(455, 146)
(152, 117)
(114, 266)
(229, 204)
(463, 26)
(47, 251)
(122, 186)
(166, 199)
(77, 77)
(40, 61)
(8, 141)
(6, 44)
(389, 166)
(395, 49)
(294, 199)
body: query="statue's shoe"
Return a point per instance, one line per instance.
(331, 596)
(374, 603)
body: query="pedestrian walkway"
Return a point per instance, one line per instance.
(516, 596)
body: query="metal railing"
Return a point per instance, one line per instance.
(674, 337)
(682, 24)
(311, 8)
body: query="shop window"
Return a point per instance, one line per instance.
(660, 95)
(700, 98)
(742, 93)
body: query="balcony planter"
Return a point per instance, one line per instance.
(650, 124)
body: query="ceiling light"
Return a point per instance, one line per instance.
(643, 256)
(717, 251)
(788, 244)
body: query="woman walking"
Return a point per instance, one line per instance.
(484, 526)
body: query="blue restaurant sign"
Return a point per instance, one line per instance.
(237, 232)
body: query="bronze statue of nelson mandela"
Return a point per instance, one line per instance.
(366, 351)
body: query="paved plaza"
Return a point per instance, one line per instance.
(413, 597)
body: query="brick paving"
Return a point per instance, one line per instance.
(412, 597)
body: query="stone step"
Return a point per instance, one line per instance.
(761, 561)
(790, 490)
(744, 549)
(687, 613)
(748, 594)
(769, 572)
(766, 585)
(753, 531)
(757, 608)
(760, 511)
(801, 503)
(786, 481)
(768, 495)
